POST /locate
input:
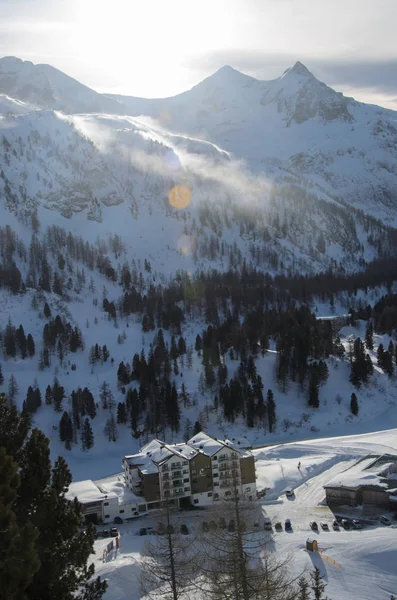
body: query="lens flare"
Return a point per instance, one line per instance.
(179, 197)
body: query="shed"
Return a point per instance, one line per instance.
(311, 545)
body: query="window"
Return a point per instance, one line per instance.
(185, 462)
(187, 489)
(209, 494)
(216, 474)
(107, 516)
(216, 482)
(121, 511)
(248, 489)
(196, 501)
(186, 480)
(194, 472)
(216, 496)
(215, 458)
(193, 463)
(228, 493)
(106, 503)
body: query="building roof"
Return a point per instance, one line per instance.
(205, 442)
(156, 452)
(373, 471)
(86, 491)
(186, 451)
(115, 486)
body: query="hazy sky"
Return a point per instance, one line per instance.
(158, 48)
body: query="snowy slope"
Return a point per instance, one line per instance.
(294, 123)
(43, 86)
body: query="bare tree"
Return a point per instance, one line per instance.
(237, 564)
(169, 564)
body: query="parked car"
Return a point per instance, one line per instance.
(313, 525)
(105, 533)
(160, 530)
(114, 532)
(287, 525)
(204, 526)
(345, 524)
(289, 493)
(278, 526)
(232, 525)
(143, 531)
(324, 526)
(356, 524)
(184, 530)
(335, 525)
(118, 520)
(384, 520)
(267, 524)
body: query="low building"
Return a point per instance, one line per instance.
(104, 500)
(198, 472)
(371, 480)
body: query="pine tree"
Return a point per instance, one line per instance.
(47, 311)
(354, 404)
(199, 344)
(40, 505)
(20, 339)
(48, 395)
(317, 585)
(271, 410)
(13, 388)
(121, 413)
(9, 340)
(58, 394)
(1, 375)
(369, 336)
(88, 401)
(66, 430)
(196, 428)
(111, 429)
(18, 555)
(87, 436)
(30, 346)
(105, 353)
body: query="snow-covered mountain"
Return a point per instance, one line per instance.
(294, 124)
(43, 86)
(161, 211)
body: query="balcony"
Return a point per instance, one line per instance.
(175, 466)
(176, 474)
(166, 485)
(177, 482)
